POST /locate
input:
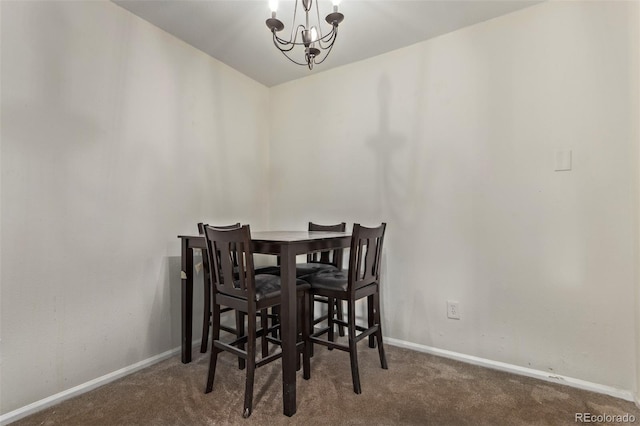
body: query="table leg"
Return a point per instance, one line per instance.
(288, 329)
(187, 300)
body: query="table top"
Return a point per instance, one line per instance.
(273, 242)
(287, 236)
(291, 236)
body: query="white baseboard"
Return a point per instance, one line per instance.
(515, 369)
(32, 408)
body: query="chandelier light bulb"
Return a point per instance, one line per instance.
(273, 5)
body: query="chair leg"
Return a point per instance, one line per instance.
(340, 314)
(214, 351)
(370, 319)
(275, 312)
(300, 322)
(307, 303)
(330, 314)
(311, 319)
(264, 323)
(206, 315)
(251, 365)
(383, 358)
(240, 333)
(353, 353)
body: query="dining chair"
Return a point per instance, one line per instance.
(238, 286)
(325, 261)
(206, 311)
(361, 280)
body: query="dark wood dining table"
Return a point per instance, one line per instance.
(287, 245)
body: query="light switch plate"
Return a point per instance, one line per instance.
(563, 160)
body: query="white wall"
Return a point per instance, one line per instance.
(116, 137)
(452, 142)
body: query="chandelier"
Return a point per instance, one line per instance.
(317, 45)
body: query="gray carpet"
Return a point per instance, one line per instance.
(418, 389)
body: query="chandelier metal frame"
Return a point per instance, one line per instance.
(309, 36)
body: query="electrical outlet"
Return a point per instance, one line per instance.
(453, 309)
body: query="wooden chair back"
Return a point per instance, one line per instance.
(205, 257)
(365, 256)
(331, 257)
(229, 252)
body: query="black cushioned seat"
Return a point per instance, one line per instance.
(271, 270)
(329, 280)
(303, 270)
(269, 286)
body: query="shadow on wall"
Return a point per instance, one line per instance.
(172, 284)
(390, 180)
(167, 299)
(397, 182)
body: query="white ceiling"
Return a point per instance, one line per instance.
(234, 31)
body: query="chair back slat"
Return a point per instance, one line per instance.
(205, 257)
(242, 258)
(229, 252)
(331, 257)
(366, 255)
